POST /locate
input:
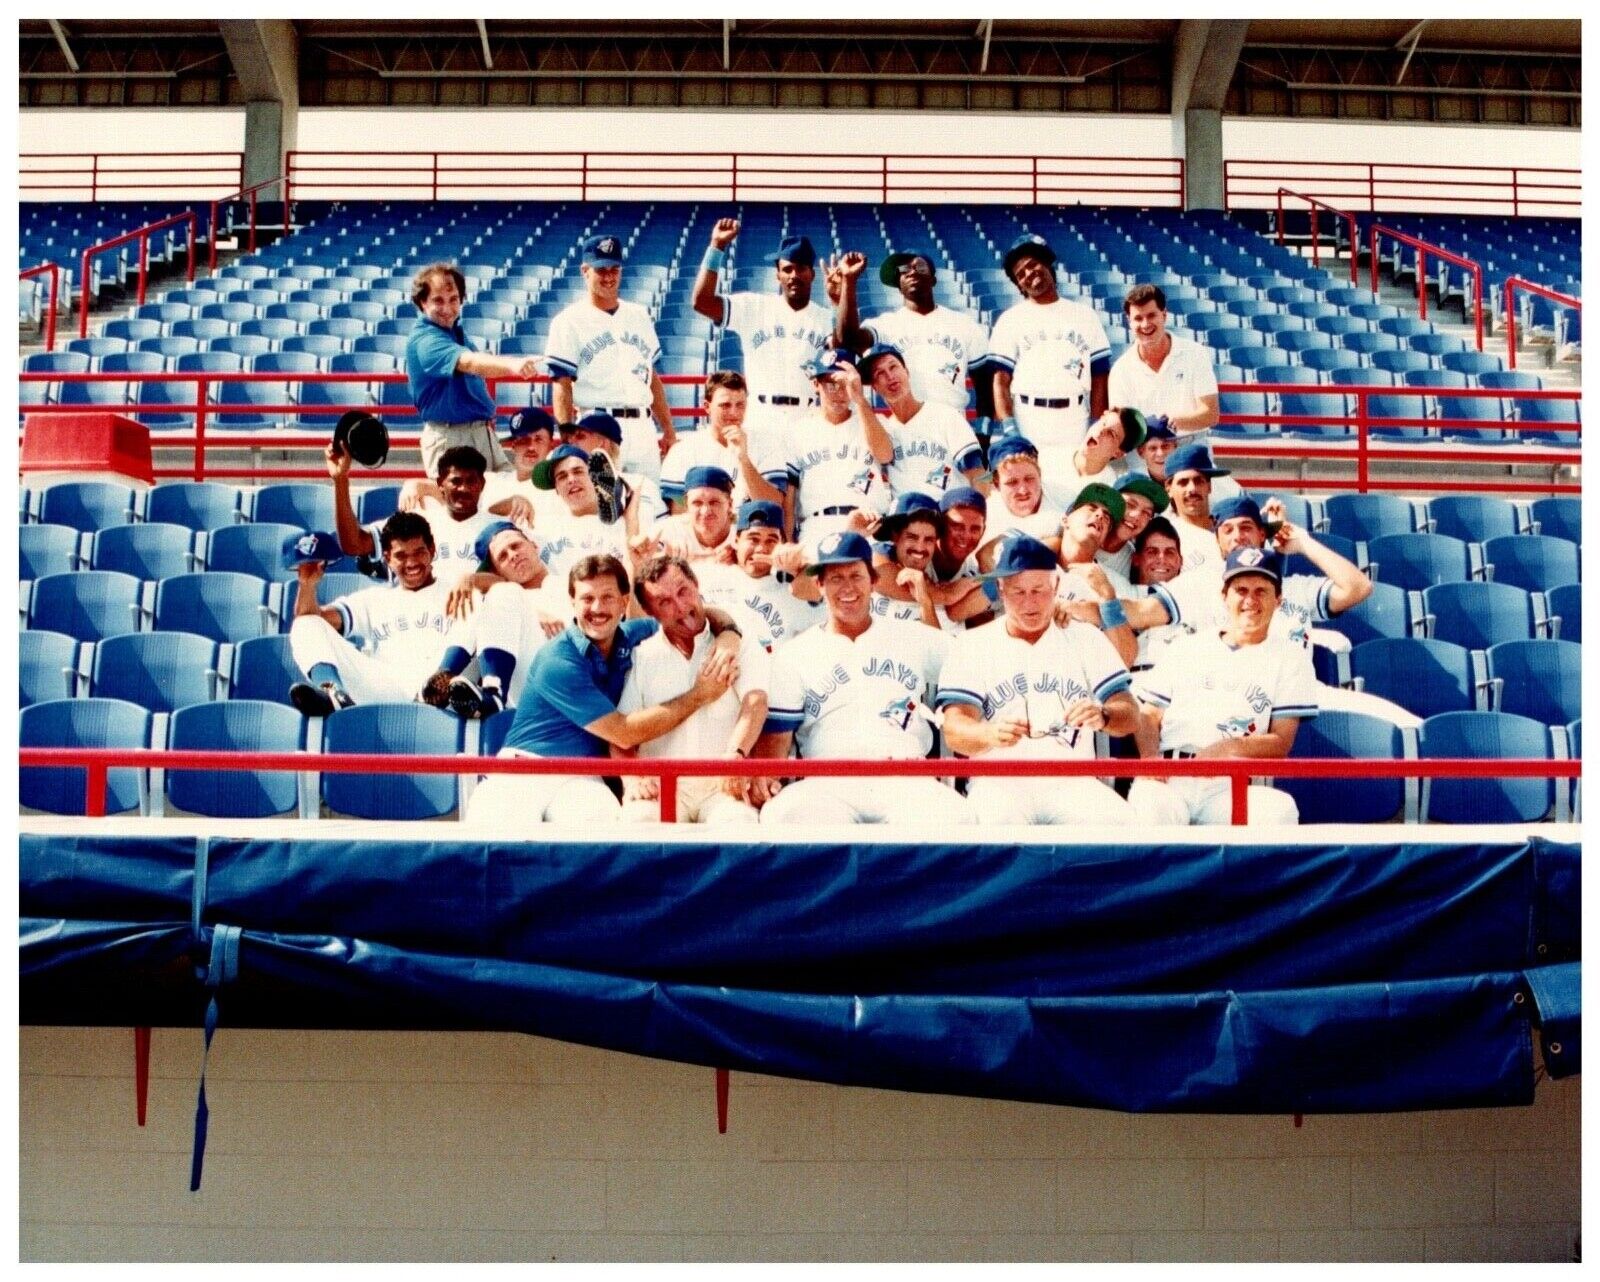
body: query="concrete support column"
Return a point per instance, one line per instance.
(266, 58)
(1205, 53)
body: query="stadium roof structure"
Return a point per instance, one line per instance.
(1431, 70)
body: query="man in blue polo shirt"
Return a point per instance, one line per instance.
(446, 375)
(569, 706)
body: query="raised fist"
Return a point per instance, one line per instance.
(723, 233)
(853, 264)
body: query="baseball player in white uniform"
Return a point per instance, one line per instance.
(722, 441)
(749, 583)
(1022, 688)
(1014, 467)
(1190, 470)
(1142, 500)
(1051, 356)
(1110, 437)
(1227, 692)
(780, 333)
(580, 533)
(402, 627)
(702, 533)
(905, 582)
(664, 666)
(1162, 374)
(528, 439)
(602, 356)
(934, 447)
(939, 345)
(600, 437)
(857, 687)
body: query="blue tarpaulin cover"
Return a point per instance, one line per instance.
(1207, 978)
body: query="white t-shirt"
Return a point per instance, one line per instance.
(1006, 678)
(939, 349)
(1186, 375)
(661, 672)
(1302, 602)
(1043, 524)
(679, 539)
(1062, 480)
(780, 613)
(862, 698)
(932, 451)
(1202, 559)
(1049, 350)
(778, 341)
(404, 629)
(1073, 587)
(828, 465)
(1210, 691)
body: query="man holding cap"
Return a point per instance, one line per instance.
(1227, 692)
(934, 447)
(1023, 688)
(939, 345)
(1161, 374)
(1052, 356)
(576, 530)
(781, 333)
(1115, 433)
(749, 581)
(445, 375)
(857, 686)
(722, 441)
(705, 531)
(1142, 500)
(602, 355)
(633, 497)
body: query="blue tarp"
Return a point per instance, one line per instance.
(1220, 978)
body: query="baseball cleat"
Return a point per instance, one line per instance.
(318, 700)
(471, 703)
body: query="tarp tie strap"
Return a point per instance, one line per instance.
(223, 967)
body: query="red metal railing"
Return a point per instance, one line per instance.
(1360, 450)
(86, 174)
(1425, 250)
(598, 175)
(1386, 187)
(1237, 770)
(1316, 228)
(1515, 283)
(54, 272)
(251, 193)
(142, 235)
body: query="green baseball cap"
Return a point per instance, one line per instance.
(1104, 496)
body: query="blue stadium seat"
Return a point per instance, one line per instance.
(245, 346)
(1484, 736)
(87, 604)
(156, 670)
(1566, 603)
(86, 505)
(1388, 612)
(133, 363)
(1560, 518)
(263, 668)
(1415, 561)
(1369, 516)
(47, 549)
(1424, 677)
(1539, 679)
(215, 603)
(1533, 562)
(400, 729)
(255, 549)
(1533, 411)
(1347, 736)
(237, 725)
(97, 393)
(234, 394)
(323, 346)
(1329, 360)
(1475, 518)
(1368, 344)
(132, 329)
(302, 503)
(276, 330)
(1472, 363)
(377, 504)
(1400, 362)
(81, 723)
(197, 505)
(149, 551)
(204, 330)
(46, 666)
(1479, 615)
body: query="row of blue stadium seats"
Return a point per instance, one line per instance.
(1472, 614)
(409, 729)
(156, 550)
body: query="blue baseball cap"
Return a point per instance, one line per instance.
(302, 549)
(603, 250)
(1029, 246)
(1147, 487)
(828, 360)
(1158, 427)
(761, 512)
(527, 422)
(1016, 446)
(488, 534)
(1019, 553)
(965, 496)
(1194, 457)
(889, 273)
(600, 424)
(909, 507)
(544, 471)
(701, 478)
(865, 361)
(797, 250)
(1237, 505)
(1254, 561)
(841, 549)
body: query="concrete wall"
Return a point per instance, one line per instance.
(467, 1147)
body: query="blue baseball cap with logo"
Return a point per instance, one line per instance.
(841, 549)
(1269, 565)
(600, 424)
(870, 357)
(964, 496)
(602, 250)
(828, 361)
(1243, 505)
(527, 422)
(760, 512)
(488, 534)
(702, 478)
(1158, 427)
(302, 549)
(1194, 457)
(797, 250)
(1018, 554)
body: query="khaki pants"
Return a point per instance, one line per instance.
(480, 434)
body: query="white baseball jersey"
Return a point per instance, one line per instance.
(455, 543)
(661, 672)
(777, 341)
(1120, 561)
(563, 544)
(700, 449)
(779, 612)
(1050, 350)
(933, 450)
(1074, 587)
(861, 698)
(1201, 557)
(610, 357)
(829, 466)
(887, 607)
(939, 349)
(1210, 691)
(652, 506)
(1062, 480)
(1043, 524)
(1006, 678)
(1186, 375)
(678, 538)
(404, 629)
(1302, 601)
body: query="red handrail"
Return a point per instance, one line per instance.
(142, 235)
(1514, 283)
(54, 269)
(1424, 249)
(1237, 770)
(1316, 252)
(1414, 186)
(216, 208)
(102, 164)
